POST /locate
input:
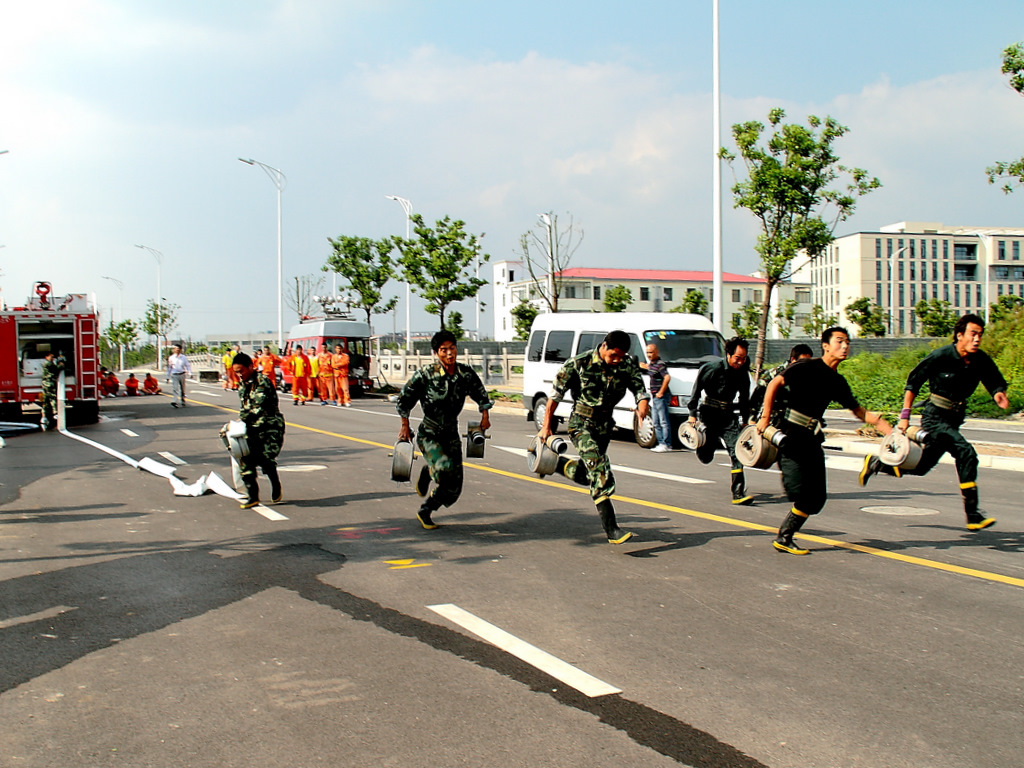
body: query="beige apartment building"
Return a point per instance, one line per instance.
(903, 263)
(654, 290)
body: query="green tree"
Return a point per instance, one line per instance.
(524, 314)
(160, 320)
(367, 266)
(617, 299)
(547, 251)
(797, 190)
(746, 322)
(867, 316)
(1003, 307)
(1011, 172)
(818, 320)
(122, 334)
(435, 263)
(454, 324)
(785, 317)
(936, 316)
(694, 303)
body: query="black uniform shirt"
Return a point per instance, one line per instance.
(955, 377)
(722, 382)
(813, 385)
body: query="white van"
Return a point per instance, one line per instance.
(685, 342)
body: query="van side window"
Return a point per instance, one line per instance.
(559, 346)
(533, 352)
(589, 340)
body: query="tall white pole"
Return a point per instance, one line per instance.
(892, 289)
(278, 178)
(716, 184)
(120, 291)
(546, 218)
(407, 207)
(159, 303)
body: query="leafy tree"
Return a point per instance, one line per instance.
(547, 251)
(789, 189)
(435, 263)
(160, 319)
(617, 299)
(122, 334)
(299, 296)
(818, 321)
(747, 320)
(785, 317)
(454, 325)
(368, 266)
(524, 314)
(694, 303)
(1003, 307)
(867, 316)
(1011, 172)
(937, 317)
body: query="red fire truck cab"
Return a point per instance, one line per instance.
(67, 326)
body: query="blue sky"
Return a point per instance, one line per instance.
(124, 121)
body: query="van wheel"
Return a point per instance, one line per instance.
(643, 432)
(540, 409)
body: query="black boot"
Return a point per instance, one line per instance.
(252, 492)
(607, 512)
(739, 488)
(873, 466)
(427, 508)
(975, 519)
(784, 541)
(423, 482)
(275, 484)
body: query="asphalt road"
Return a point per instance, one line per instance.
(138, 628)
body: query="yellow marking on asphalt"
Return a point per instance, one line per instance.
(398, 565)
(735, 522)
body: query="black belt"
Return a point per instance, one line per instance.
(590, 412)
(945, 403)
(722, 405)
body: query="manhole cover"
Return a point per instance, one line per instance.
(900, 511)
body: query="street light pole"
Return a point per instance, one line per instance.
(892, 289)
(407, 207)
(279, 180)
(120, 346)
(716, 185)
(159, 302)
(551, 260)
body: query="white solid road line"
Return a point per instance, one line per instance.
(586, 684)
(268, 513)
(625, 470)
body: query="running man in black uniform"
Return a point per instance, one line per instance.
(812, 385)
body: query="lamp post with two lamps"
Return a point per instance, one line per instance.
(120, 346)
(159, 302)
(279, 180)
(407, 207)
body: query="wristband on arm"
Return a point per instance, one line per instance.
(905, 414)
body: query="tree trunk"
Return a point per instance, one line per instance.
(762, 326)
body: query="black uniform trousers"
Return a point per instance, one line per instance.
(802, 461)
(943, 427)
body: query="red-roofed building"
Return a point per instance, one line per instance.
(653, 290)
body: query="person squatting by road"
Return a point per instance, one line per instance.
(441, 390)
(952, 373)
(52, 366)
(658, 371)
(812, 385)
(723, 381)
(264, 429)
(597, 379)
(178, 367)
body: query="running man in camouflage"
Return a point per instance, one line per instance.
(264, 429)
(441, 390)
(597, 379)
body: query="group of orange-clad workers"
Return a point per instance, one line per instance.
(110, 386)
(322, 373)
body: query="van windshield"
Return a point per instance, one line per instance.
(689, 349)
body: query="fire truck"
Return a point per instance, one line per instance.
(68, 326)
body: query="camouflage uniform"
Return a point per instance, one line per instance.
(442, 396)
(264, 433)
(48, 397)
(596, 388)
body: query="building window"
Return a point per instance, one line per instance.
(878, 270)
(511, 276)
(1002, 250)
(1002, 273)
(878, 247)
(570, 291)
(645, 294)
(597, 293)
(945, 270)
(735, 296)
(758, 296)
(912, 253)
(1016, 250)
(977, 295)
(956, 295)
(967, 296)
(913, 271)
(1018, 273)
(888, 247)
(935, 270)
(901, 270)
(999, 289)
(945, 291)
(667, 294)
(902, 320)
(913, 295)
(802, 296)
(902, 303)
(878, 294)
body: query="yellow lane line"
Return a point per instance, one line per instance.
(735, 522)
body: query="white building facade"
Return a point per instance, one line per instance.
(584, 289)
(902, 264)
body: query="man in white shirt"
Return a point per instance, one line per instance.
(178, 368)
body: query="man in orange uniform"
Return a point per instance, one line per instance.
(151, 386)
(300, 376)
(325, 377)
(230, 377)
(131, 385)
(267, 364)
(339, 364)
